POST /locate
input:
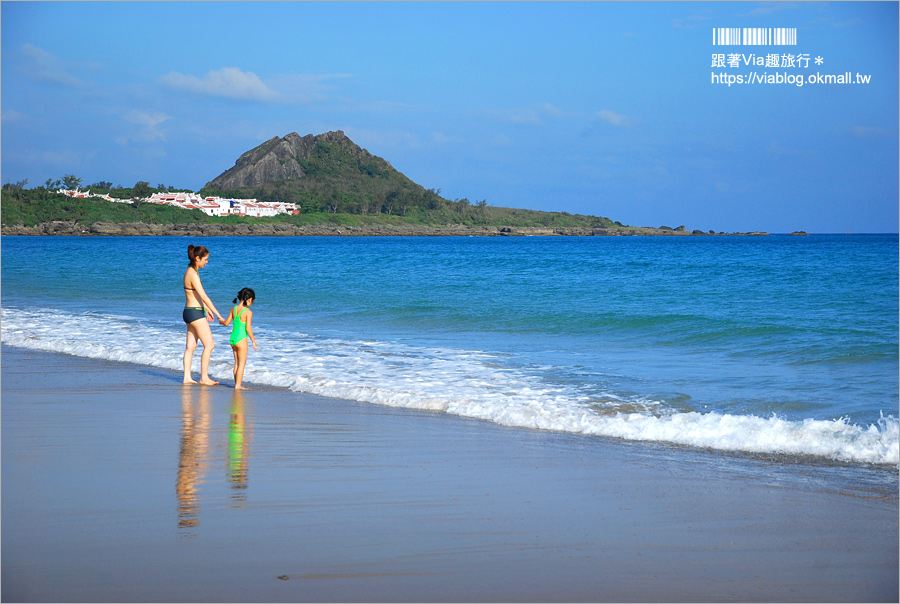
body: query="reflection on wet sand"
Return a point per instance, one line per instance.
(193, 460)
(238, 449)
(192, 457)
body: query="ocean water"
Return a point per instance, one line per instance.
(778, 347)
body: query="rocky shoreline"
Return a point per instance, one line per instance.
(110, 229)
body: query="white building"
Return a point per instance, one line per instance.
(212, 206)
(218, 206)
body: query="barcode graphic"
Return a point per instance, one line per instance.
(754, 36)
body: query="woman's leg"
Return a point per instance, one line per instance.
(189, 348)
(201, 329)
(240, 353)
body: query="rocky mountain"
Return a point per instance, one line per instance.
(294, 157)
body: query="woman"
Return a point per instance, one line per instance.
(196, 317)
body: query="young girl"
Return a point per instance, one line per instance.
(241, 315)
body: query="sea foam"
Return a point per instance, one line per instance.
(467, 383)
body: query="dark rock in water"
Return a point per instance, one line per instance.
(681, 229)
(262, 229)
(218, 229)
(106, 228)
(795, 233)
(666, 228)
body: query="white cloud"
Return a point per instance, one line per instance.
(149, 122)
(305, 88)
(695, 20)
(501, 140)
(43, 65)
(769, 8)
(610, 117)
(550, 109)
(9, 115)
(781, 150)
(526, 116)
(441, 138)
(228, 82)
(392, 107)
(384, 138)
(849, 23)
(867, 133)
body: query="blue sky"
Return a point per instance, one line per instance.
(604, 108)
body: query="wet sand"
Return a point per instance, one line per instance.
(120, 484)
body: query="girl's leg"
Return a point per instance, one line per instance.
(204, 334)
(189, 348)
(240, 352)
(234, 351)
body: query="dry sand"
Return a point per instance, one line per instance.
(119, 484)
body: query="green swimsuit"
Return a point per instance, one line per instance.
(239, 331)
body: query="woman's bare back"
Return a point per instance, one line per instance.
(192, 288)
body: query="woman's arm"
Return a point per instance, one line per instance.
(195, 281)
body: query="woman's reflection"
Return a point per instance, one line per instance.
(192, 457)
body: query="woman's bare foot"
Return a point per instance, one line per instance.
(188, 382)
(209, 382)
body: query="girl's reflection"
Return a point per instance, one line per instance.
(193, 460)
(238, 449)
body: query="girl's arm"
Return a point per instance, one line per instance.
(249, 315)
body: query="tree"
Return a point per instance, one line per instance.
(390, 201)
(482, 207)
(140, 192)
(334, 200)
(71, 182)
(16, 188)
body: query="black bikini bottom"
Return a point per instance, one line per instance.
(192, 313)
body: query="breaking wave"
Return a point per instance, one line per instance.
(467, 383)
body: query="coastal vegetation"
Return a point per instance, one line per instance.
(334, 183)
(29, 207)
(331, 179)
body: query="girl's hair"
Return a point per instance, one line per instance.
(195, 252)
(244, 295)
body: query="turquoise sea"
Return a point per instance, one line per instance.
(781, 348)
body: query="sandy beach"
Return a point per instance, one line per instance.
(120, 484)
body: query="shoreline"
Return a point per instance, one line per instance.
(110, 229)
(204, 494)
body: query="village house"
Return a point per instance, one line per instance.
(212, 206)
(218, 206)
